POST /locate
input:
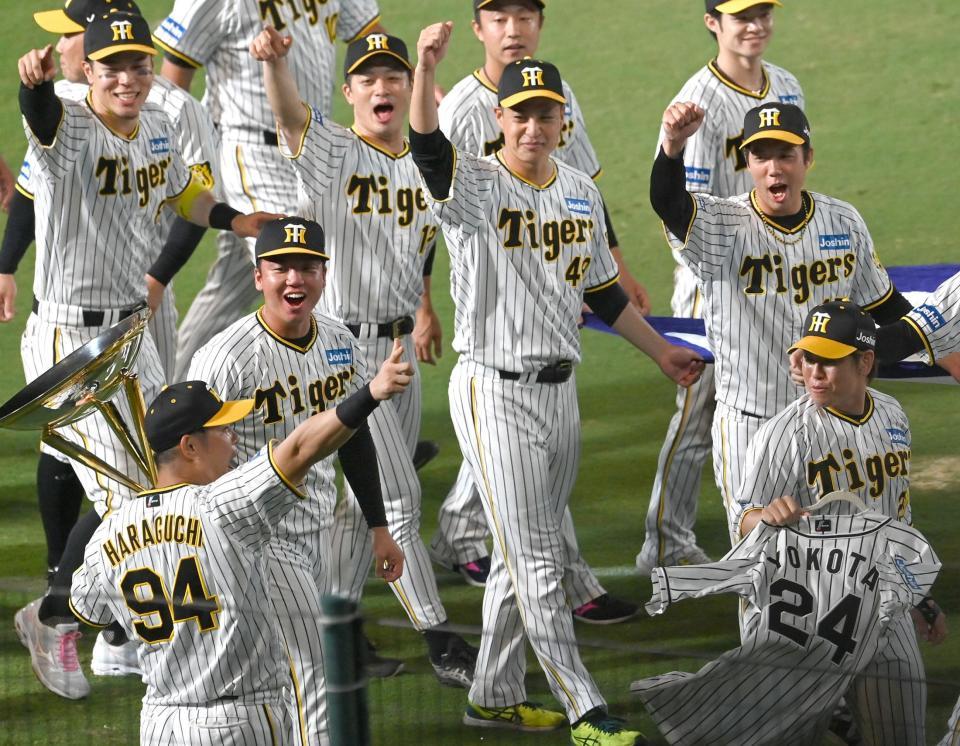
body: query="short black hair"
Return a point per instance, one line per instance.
(476, 11)
(377, 62)
(805, 146)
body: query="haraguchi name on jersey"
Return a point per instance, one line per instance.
(372, 193)
(178, 529)
(834, 561)
(318, 394)
(520, 226)
(877, 469)
(115, 177)
(758, 270)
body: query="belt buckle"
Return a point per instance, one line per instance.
(564, 365)
(395, 327)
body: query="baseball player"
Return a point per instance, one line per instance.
(510, 30)
(952, 738)
(105, 167)
(293, 363)
(59, 491)
(183, 568)
(735, 81)
(214, 34)
(362, 183)
(762, 261)
(824, 594)
(526, 240)
(844, 435)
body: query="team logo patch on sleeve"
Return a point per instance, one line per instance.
(172, 29)
(697, 177)
(897, 436)
(931, 315)
(790, 98)
(159, 145)
(578, 206)
(908, 577)
(340, 356)
(25, 169)
(834, 242)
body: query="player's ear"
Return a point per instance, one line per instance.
(808, 157)
(257, 277)
(88, 71)
(712, 23)
(347, 93)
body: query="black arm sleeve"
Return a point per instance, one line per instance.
(18, 234)
(433, 155)
(896, 341)
(893, 308)
(428, 264)
(669, 196)
(178, 61)
(181, 243)
(358, 457)
(608, 303)
(611, 234)
(42, 110)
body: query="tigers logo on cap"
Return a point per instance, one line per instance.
(291, 235)
(528, 78)
(837, 329)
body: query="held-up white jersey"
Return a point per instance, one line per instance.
(807, 451)
(759, 282)
(288, 383)
(712, 157)
(182, 570)
(936, 320)
(522, 256)
(468, 121)
(97, 199)
(378, 229)
(216, 34)
(822, 595)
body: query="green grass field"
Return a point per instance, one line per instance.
(882, 99)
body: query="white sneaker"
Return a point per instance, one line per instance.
(692, 555)
(53, 652)
(114, 660)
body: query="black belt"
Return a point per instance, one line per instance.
(270, 138)
(392, 329)
(745, 413)
(93, 318)
(556, 373)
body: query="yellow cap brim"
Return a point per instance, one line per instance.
(292, 250)
(376, 53)
(773, 135)
(230, 412)
(117, 49)
(57, 22)
(736, 6)
(825, 348)
(518, 98)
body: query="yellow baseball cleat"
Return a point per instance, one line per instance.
(525, 716)
(597, 728)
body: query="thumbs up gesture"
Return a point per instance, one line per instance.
(394, 375)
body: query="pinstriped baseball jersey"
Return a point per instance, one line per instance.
(468, 121)
(216, 34)
(540, 246)
(936, 319)
(952, 738)
(97, 199)
(182, 570)
(807, 451)
(825, 592)
(288, 383)
(712, 158)
(759, 281)
(378, 229)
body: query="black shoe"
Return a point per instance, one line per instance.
(475, 572)
(605, 609)
(378, 667)
(425, 452)
(455, 666)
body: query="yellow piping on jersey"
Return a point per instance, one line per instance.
(882, 299)
(923, 338)
(862, 420)
(273, 731)
(244, 181)
(686, 237)
(773, 223)
(301, 718)
(82, 618)
(366, 29)
(727, 497)
(764, 89)
(372, 144)
(546, 185)
(127, 138)
(22, 191)
(283, 477)
(286, 342)
(63, 115)
(498, 532)
(292, 155)
(597, 175)
(179, 55)
(481, 76)
(603, 285)
(405, 602)
(742, 516)
(684, 417)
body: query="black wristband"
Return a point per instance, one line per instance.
(222, 215)
(928, 607)
(355, 409)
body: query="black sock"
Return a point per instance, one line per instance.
(114, 634)
(438, 641)
(55, 609)
(60, 495)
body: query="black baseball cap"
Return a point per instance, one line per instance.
(837, 329)
(737, 6)
(529, 78)
(187, 407)
(115, 33)
(291, 235)
(483, 4)
(372, 46)
(76, 15)
(773, 121)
